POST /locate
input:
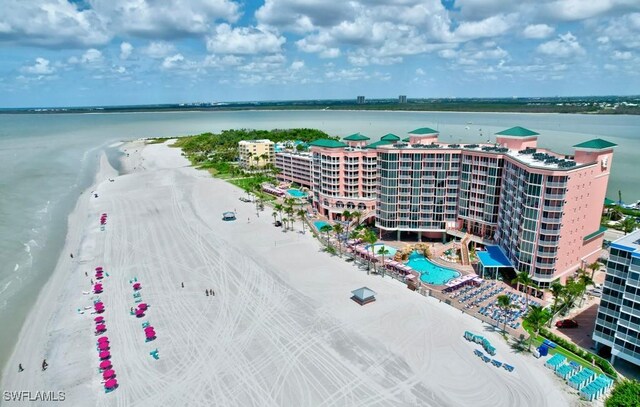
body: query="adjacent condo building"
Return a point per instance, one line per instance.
(294, 167)
(618, 319)
(542, 209)
(256, 153)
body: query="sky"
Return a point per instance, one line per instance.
(124, 52)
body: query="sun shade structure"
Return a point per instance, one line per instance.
(229, 216)
(492, 261)
(363, 295)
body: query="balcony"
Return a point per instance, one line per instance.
(550, 232)
(548, 243)
(553, 208)
(554, 221)
(554, 196)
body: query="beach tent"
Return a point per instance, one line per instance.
(363, 295)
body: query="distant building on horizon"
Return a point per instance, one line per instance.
(360, 100)
(402, 99)
(256, 153)
(618, 315)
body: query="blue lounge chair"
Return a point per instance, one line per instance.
(509, 368)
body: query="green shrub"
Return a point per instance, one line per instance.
(625, 394)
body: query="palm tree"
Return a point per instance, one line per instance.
(326, 229)
(595, 266)
(264, 157)
(302, 215)
(257, 160)
(383, 251)
(557, 290)
(290, 212)
(371, 238)
(338, 229)
(628, 224)
(504, 303)
(536, 318)
(584, 280)
(524, 278)
(279, 208)
(275, 216)
(249, 156)
(346, 215)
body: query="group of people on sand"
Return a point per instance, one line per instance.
(209, 293)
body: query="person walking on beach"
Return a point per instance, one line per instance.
(248, 220)
(183, 285)
(71, 254)
(206, 292)
(85, 274)
(44, 365)
(213, 292)
(20, 369)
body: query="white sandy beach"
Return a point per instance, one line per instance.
(280, 331)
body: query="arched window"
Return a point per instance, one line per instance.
(362, 206)
(339, 204)
(350, 205)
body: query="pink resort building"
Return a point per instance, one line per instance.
(537, 211)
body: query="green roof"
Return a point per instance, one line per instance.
(379, 143)
(600, 231)
(596, 144)
(517, 132)
(406, 139)
(609, 202)
(390, 137)
(356, 137)
(327, 143)
(423, 130)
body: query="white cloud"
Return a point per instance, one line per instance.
(566, 45)
(244, 40)
(125, 50)
(537, 31)
(159, 49)
(51, 23)
(214, 61)
(41, 66)
(166, 19)
(91, 56)
(571, 10)
(297, 65)
(622, 55)
(172, 61)
(489, 27)
(420, 72)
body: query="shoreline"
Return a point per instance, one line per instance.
(55, 281)
(281, 329)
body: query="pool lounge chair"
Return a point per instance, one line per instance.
(496, 363)
(509, 368)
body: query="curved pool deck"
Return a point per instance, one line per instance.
(391, 250)
(430, 272)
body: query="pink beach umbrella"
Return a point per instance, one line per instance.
(142, 306)
(105, 354)
(149, 328)
(99, 277)
(98, 319)
(137, 286)
(99, 268)
(98, 303)
(105, 364)
(101, 327)
(108, 374)
(139, 313)
(111, 383)
(150, 334)
(103, 346)
(103, 339)
(99, 306)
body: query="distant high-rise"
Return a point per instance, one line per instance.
(360, 100)
(402, 99)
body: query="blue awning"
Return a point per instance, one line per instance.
(493, 257)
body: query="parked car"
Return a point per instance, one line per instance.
(277, 223)
(567, 323)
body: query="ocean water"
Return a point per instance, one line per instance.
(46, 160)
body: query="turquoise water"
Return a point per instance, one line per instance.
(431, 273)
(320, 223)
(296, 193)
(378, 246)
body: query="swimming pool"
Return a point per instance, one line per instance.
(378, 246)
(296, 193)
(431, 273)
(320, 223)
